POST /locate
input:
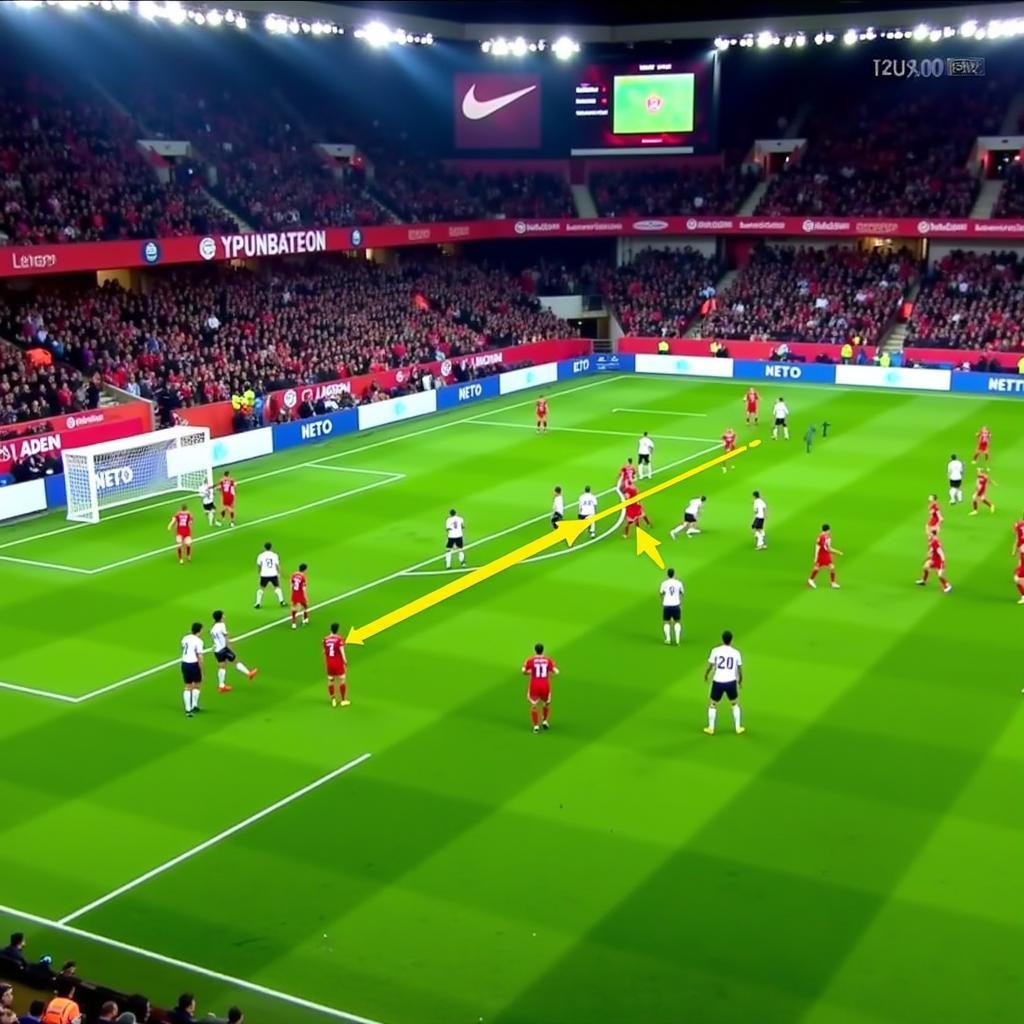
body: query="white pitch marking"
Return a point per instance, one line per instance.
(588, 430)
(33, 692)
(184, 965)
(213, 840)
(349, 469)
(46, 565)
(663, 412)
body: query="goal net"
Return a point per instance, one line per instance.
(102, 476)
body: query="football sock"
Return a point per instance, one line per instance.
(187, 695)
(448, 560)
(259, 597)
(195, 699)
(342, 690)
(673, 533)
(736, 715)
(679, 631)
(280, 596)
(222, 675)
(462, 558)
(241, 668)
(330, 689)
(547, 712)
(924, 576)
(712, 715)
(785, 433)
(668, 632)
(533, 715)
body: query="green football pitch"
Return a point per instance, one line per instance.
(855, 858)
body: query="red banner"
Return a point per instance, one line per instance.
(534, 352)
(53, 442)
(139, 410)
(78, 257)
(810, 351)
(218, 416)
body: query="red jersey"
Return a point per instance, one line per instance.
(729, 440)
(1018, 529)
(626, 476)
(227, 490)
(629, 491)
(752, 399)
(334, 654)
(542, 409)
(634, 511)
(984, 437)
(934, 515)
(982, 483)
(298, 585)
(823, 549)
(183, 523)
(935, 553)
(540, 667)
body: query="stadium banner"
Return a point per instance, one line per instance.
(22, 499)
(447, 369)
(250, 444)
(518, 380)
(693, 366)
(613, 362)
(68, 421)
(50, 444)
(988, 384)
(952, 358)
(802, 351)
(79, 257)
(893, 377)
(805, 373)
(219, 417)
(320, 428)
(459, 394)
(569, 368)
(393, 410)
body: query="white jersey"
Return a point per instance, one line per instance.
(454, 525)
(588, 504)
(955, 470)
(781, 410)
(672, 593)
(206, 494)
(269, 563)
(727, 661)
(219, 637)
(645, 446)
(760, 508)
(558, 505)
(693, 509)
(191, 648)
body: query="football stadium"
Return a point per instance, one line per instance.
(511, 513)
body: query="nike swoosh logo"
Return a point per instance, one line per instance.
(476, 110)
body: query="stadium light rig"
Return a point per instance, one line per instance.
(563, 48)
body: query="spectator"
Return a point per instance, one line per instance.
(35, 1012)
(62, 1008)
(108, 1011)
(15, 949)
(8, 1016)
(235, 1016)
(6, 995)
(184, 1012)
(127, 1018)
(140, 1009)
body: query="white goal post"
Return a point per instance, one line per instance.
(102, 476)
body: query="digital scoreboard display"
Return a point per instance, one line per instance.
(664, 105)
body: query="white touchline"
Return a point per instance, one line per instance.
(588, 430)
(184, 965)
(46, 565)
(662, 412)
(135, 510)
(213, 840)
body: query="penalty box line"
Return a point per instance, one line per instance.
(409, 570)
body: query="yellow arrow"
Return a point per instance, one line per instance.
(647, 545)
(568, 531)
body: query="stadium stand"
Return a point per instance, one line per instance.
(670, 190)
(801, 294)
(1011, 197)
(971, 300)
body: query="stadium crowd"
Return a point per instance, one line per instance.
(33, 391)
(1011, 196)
(971, 300)
(671, 190)
(202, 335)
(837, 294)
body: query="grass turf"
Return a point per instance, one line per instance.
(853, 858)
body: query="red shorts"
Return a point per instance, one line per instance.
(540, 689)
(983, 446)
(751, 408)
(823, 562)
(300, 600)
(730, 447)
(542, 415)
(187, 535)
(981, 492)
(1019, 573)
(936, 563)
(633, 518)
(227, 502)
(335, 667)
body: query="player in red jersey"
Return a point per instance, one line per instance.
(935, 562)
(540, 669)
(934, 522)
(1018, 573)
(634, 511)
(627, 475)
(728, 445)
(752, 399)
(227, 497)
(542, 415)
(1018, 535)
(300, 598)
(823, 552)
(334, 656)
(181, 522)
(981, 493)
(984, 441)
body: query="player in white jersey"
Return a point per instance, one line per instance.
(690, 516)
(781, 413)
(725, 669)
(455, 528)
(671, 591)
(557, 508)
(223, 654)
(644, 451)
(760, 515)
(955, 475)
(192, 667)
(587, 506)
(206, 497)
(270, 573)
